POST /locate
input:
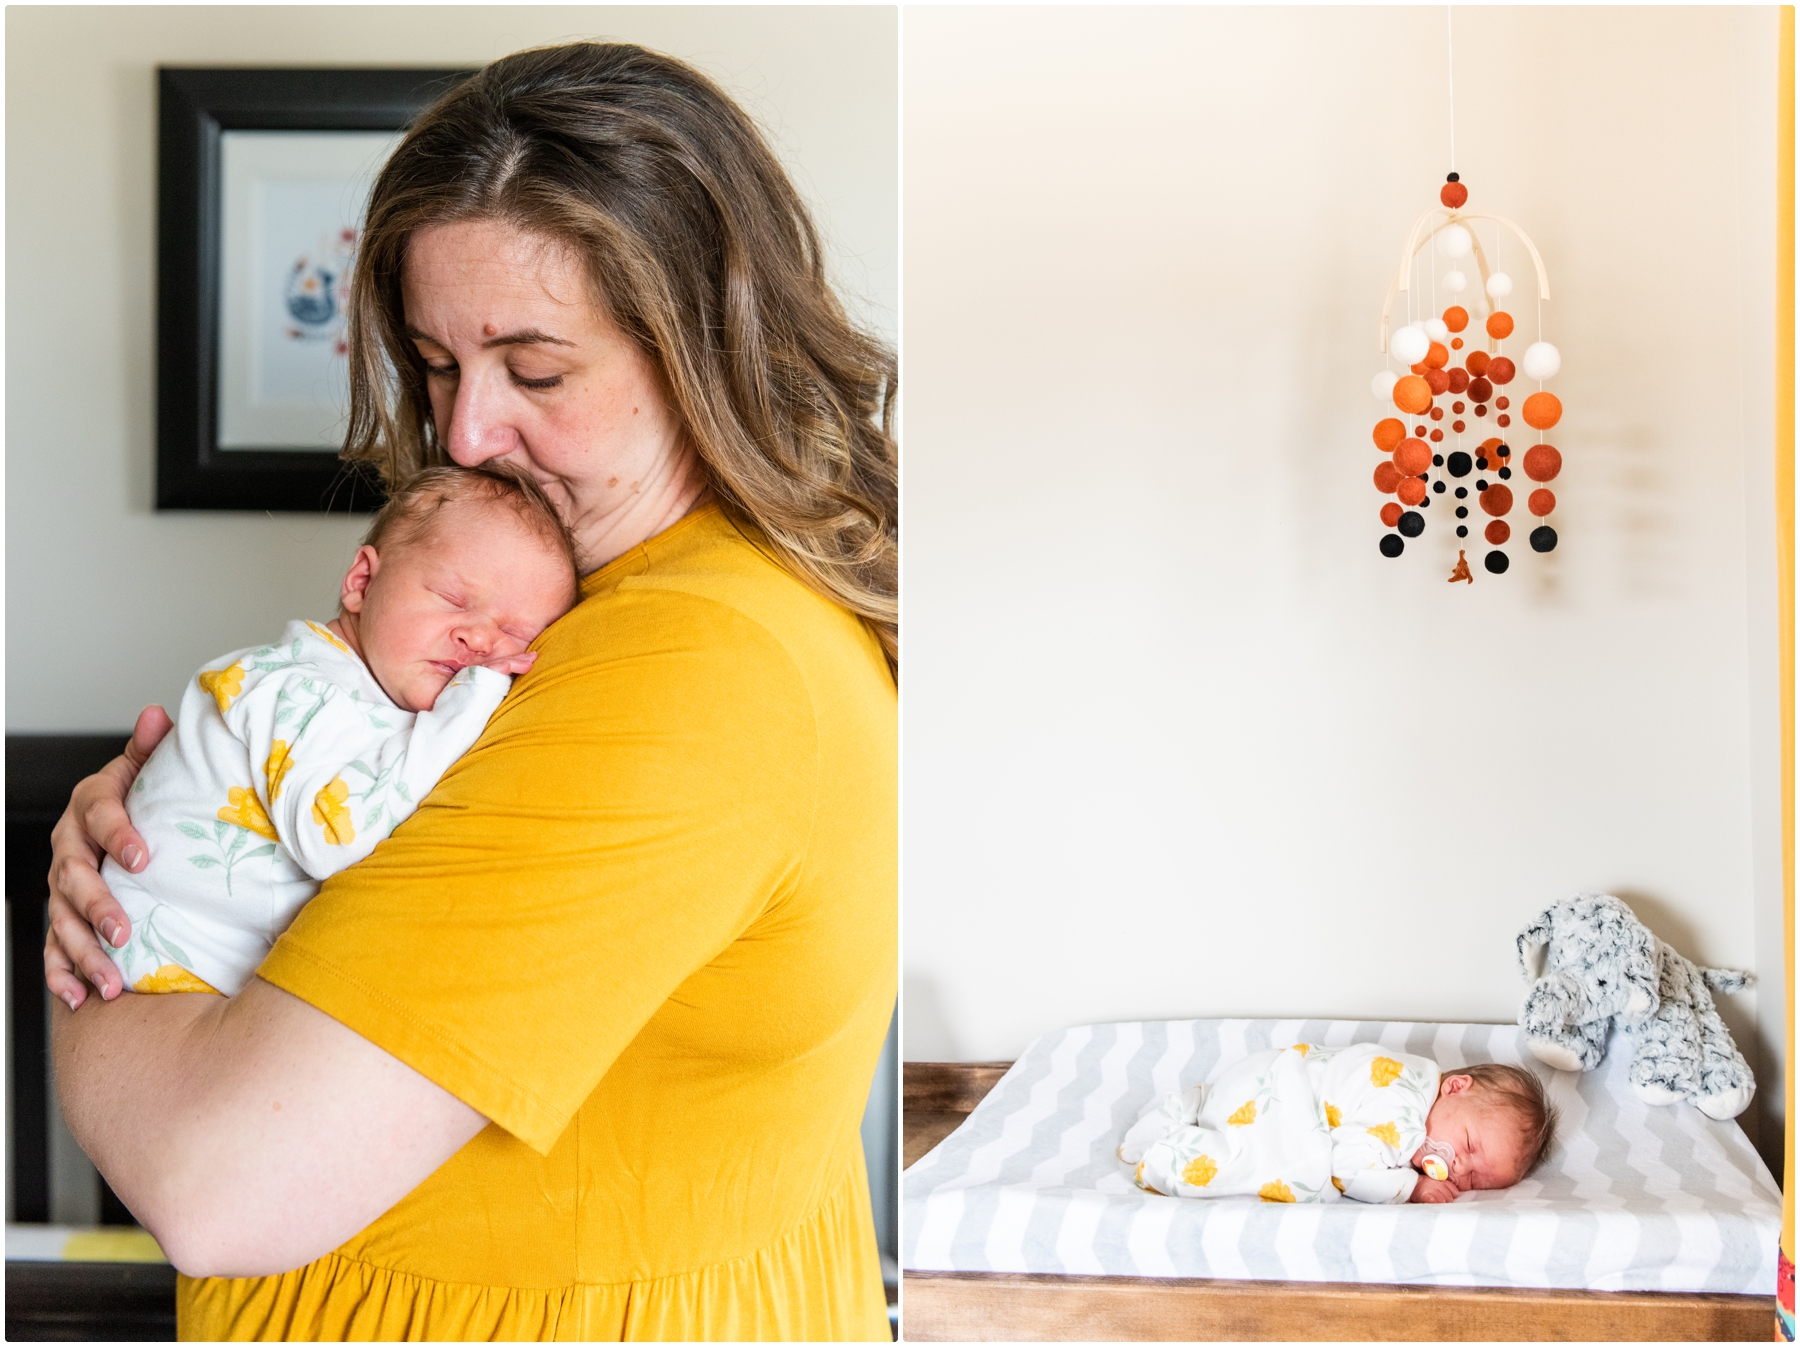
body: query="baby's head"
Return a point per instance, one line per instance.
(1498, 1120)
(462, 566)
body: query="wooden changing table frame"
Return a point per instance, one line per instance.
(1021, 1307)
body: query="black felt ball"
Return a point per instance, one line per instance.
(1391, 545)
(1462, 530)
(1412, 523)
(1424, 501)
(1495, 562)
(1462, 512)
(1438, 487)
(1481, 465)
(1543, 538)
(1458, 464)
(1505, 473)
(1437, 460)
(1462, 492)
(1481, 485)
(1454, 177)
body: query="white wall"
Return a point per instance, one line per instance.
(111, 605)
(1179, 740)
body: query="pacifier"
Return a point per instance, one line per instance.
(1437, 1159)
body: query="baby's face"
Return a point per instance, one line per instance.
(1489, 1143)
(476, 586)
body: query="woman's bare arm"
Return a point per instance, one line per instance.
(250, 1135)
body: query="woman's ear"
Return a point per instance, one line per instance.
(356, 580)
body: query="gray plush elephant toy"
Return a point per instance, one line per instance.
(1592, 964)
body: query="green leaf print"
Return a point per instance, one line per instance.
(193, 830)
(204, 862)
(266, 850)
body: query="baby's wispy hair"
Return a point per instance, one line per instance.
(1520, 1093)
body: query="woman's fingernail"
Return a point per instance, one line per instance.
(112, 930)
(133, 856)
(69, 999)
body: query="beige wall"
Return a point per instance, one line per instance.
(110, 604)
(1179, 741)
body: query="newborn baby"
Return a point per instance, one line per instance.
(1310, 1124)
(289, 762)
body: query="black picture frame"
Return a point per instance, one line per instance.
(194, 106)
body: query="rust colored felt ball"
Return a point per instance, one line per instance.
(1480, 390)
(1456, 343)
(1436, 380)
(1412, 457)
(1387, 477)
(1499, 324)
(1412, 394)
(1459, 380)
(1501, 370)
(1497, 499)
(1437, 355)
(1437, 413)
(1456, 318)
(1436, 435)
(1503, 420)
(1503, 403)
(1541, 502)
(1541, 410)
(1477, 362)
(1542, 463)
(1458, 426)
(1453, 194)
(1498, 531)
(1480, 409)
(1388, 433)
(1419, 431)
(1411, 490)
(1390, 514)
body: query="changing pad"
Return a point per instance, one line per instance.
(1631, 1197)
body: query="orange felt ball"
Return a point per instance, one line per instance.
(1541, 502)
(1456, 318)
(1498, 532)
(1387, 477)
(1413, 457)
(1388, 433)
(1390, 514)
(1436, 356)
(1456, 343)
(1499, 324)
(1542, 463)
(1477, 362)
(1541, 411)
(1418, 368)
(1497, 499)
(1412, 394)
(1411, 490)
(1453, 194)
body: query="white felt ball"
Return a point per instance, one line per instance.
(1410, 344)
(1454, 241)
(1541, 360)
(1499, 285)
(1436, 329)
(1382, 385)
(1455, 282)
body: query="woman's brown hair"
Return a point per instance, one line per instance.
(701, 251)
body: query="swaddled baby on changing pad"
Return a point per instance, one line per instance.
(1312, 1124)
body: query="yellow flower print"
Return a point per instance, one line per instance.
(1337, 1183)
(223, 684)
(172, 977)
(1303, 1048)
(1386, 1132)
(1138, 1176)
(1276, 1191)
(1199, 1171)
(1334, 1116)
(247, 811)
(277, 767)
(1244, 1116)
(1384, 1071)
(331, 636)
(331, 814)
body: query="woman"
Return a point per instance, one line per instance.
(581, 1051)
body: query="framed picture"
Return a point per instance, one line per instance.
(264, 177)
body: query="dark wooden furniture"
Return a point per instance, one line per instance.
(1026, 1307)
(90, 1302)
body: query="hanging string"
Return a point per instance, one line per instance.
(1450, 66)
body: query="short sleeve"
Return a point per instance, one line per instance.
(638, 803)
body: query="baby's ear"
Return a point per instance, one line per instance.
(1455, 1084)
(356, 580)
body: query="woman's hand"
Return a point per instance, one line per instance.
(94, 825)
(511, 664)
(1434, 1190)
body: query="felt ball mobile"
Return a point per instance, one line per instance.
(1449, 424)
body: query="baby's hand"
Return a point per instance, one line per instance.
(511, 664)
(1434, 1190)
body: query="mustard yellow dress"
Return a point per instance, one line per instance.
(648, 927)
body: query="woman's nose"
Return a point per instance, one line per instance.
(476, 432)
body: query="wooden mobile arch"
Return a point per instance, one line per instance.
(1432, 438)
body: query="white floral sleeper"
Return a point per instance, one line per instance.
(1299, 1124)
(287, 763)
